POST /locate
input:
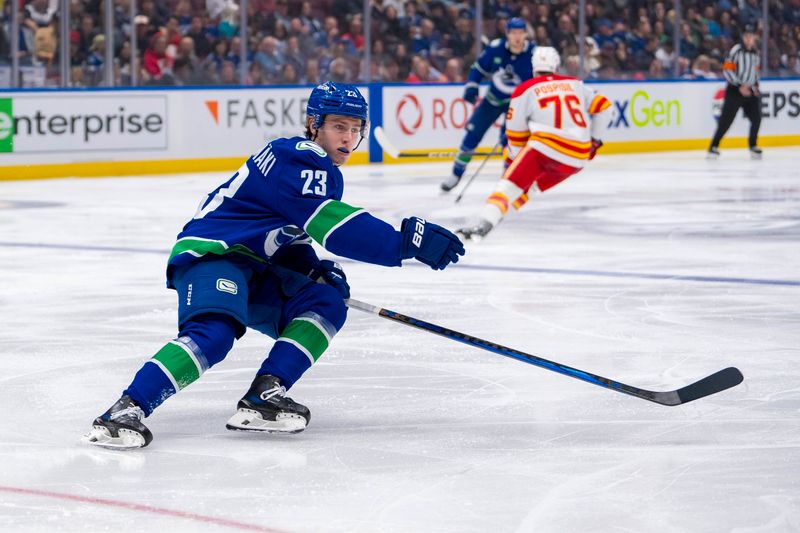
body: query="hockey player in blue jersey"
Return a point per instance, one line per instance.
(507, 62)
(245, 260)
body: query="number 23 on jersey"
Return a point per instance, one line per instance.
(316, 182)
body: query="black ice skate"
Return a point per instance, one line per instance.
(450, 182)
(266, 408)
(756, 152)
(120, 427)
(713, 153)
(476, 232)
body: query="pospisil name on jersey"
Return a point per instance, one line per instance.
(103, 122)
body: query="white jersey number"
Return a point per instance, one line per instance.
(318, 179)
(224, 192)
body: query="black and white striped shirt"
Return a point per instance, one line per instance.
(742, 66)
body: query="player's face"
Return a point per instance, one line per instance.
(516, 38)
(339, 136)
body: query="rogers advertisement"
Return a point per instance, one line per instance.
(429, 116)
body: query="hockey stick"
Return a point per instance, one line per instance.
(474, 175)
(395, 152)
(716, 382)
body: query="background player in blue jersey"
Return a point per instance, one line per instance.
(246, 260)
(507, 62)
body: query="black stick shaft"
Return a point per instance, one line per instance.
(717, 382)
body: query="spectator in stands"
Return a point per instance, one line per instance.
(289, 75)
(339, 71)
(750, 13)
(95, 62)
(307, 18)
(437, 30)
(389, 70)
(255, 75)
(218, 54)
(391, 28)
(154, 14)
(228, 74)
(202, 45)
(122, 66)
(191, 63)
(234, 51)
(355, 33)
(422, 72)
(462, 42)
(157, 64)
(701, 69)
(454, 70)
(312, 74)
(564, 34)
(76, 56)
(39, 14)
(293, 55)
(541, 37)
(689, 47)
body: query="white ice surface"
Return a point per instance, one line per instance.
(409, 431)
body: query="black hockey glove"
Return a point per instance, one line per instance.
(331, 273)
(429, 243)
(471, 94)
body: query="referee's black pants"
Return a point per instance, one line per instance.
(733, 101)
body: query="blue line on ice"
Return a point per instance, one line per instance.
(495, 268)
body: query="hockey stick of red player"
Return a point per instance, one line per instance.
(474, 175)
(716, 382)
(395, 152)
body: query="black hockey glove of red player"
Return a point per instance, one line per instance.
(429, 243)
(596, 144)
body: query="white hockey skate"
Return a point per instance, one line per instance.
(120, 428)
(477, 232)
(449, 183)
(266, 408)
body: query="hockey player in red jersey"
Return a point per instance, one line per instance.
(554, 126)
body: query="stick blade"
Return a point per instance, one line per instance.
(716, 382)
(385, 143)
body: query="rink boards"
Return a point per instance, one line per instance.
(45, 133)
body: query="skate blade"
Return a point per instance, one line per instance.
(101, 437)
(756, 157)
(248, 420)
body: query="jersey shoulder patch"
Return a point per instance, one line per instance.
(311, 145)
(497, 43)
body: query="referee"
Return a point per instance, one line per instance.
(741, 69)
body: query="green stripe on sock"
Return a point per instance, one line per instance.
(326, 218)
(464, 158)
(179, 364)
(308, 335)
(201, 247)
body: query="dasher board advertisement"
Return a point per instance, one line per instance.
(45, 124)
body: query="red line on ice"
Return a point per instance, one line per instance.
(142, 508)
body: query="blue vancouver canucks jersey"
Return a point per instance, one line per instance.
(506, 70)
(285, 195)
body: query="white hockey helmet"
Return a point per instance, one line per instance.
(545, 59)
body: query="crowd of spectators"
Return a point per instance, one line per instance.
(197, 42)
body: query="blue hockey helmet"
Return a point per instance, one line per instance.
(332, 98)
(516, 23)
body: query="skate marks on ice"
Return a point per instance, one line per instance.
(411, 432)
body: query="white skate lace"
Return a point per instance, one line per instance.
(133, 410)
(278, 390)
